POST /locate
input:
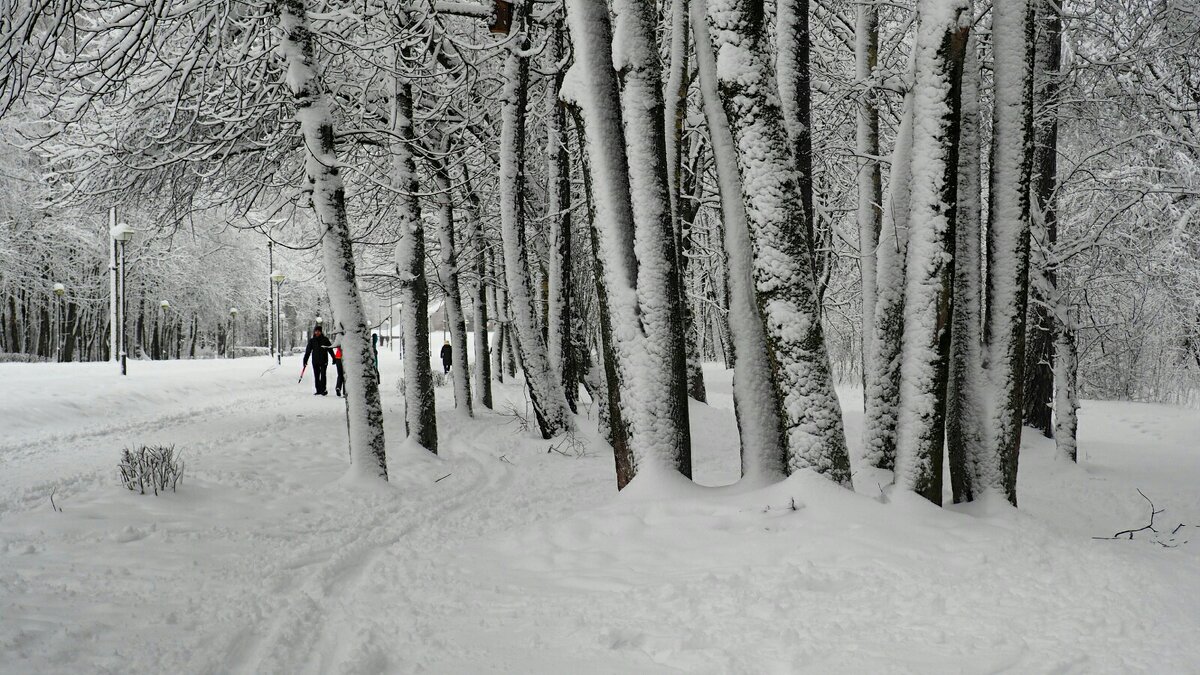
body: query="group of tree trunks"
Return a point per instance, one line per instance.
(958, 346)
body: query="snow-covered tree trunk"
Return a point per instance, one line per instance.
(1066, 391)
(795, 98)
(479, 294)
(1008, 243)
(558, 200)
(544, 385)
(1039, 389)
(627, 165)
(882, 393)
(963, 406)
(420, 420)
(783, 261)
(870, 179)
(618, 430)
(658, 284)
(367, 447)
(1065, 358)
(939, 48)
(758, 402)
(451, 295)
(499, 299)
(612, 424)
(676, 111)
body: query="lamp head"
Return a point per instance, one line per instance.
(122, 232)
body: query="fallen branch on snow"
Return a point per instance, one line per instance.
(1128, 534)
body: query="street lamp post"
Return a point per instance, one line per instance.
(164, 331)
(278, 277)
(229, 351)
(121, 233)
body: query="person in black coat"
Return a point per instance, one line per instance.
(447, 357)
(318, 348)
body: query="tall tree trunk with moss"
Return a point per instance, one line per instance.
(795, 97)
(624, 128)
(1043, 324)
(870, 178)
(882, 392)
(758, 399)
(939, 49)
(420, 421)
(964, 407)
(451, 294)
(479, 294)
(676, 107)
(558, 200)
(1008, 245)
(658, 283)
(783, 258)
(542, 383)
(324, 181)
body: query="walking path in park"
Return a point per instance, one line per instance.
(508, 553)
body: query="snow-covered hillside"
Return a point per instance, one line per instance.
(512, 554)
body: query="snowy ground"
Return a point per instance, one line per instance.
(522, 559)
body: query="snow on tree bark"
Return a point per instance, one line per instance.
(758, 402)
(783, 270)
(870, 179)
(1008, 243)
(544, 386)
(1066, 390)
(479, 294)
(676, 102)
(448, 271)
(795, 97)
(882, 393)
(1038, 383)
(558, 200)
(499, 299)
(608, 392)
(324, 180)
(658, 284)
(963, 406)
(420, 420)
(639, 276)
(939, 48)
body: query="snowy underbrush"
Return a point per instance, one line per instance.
(6, 357)
(156, 467)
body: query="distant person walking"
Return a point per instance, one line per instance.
(339, 388)
(375, 353)
(447, 357)
(318, 348)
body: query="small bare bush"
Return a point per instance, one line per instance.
(153, 467)
(569, 445)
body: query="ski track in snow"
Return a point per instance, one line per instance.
(269, 561)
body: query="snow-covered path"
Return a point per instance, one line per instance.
(254, 565)
(501, 555)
